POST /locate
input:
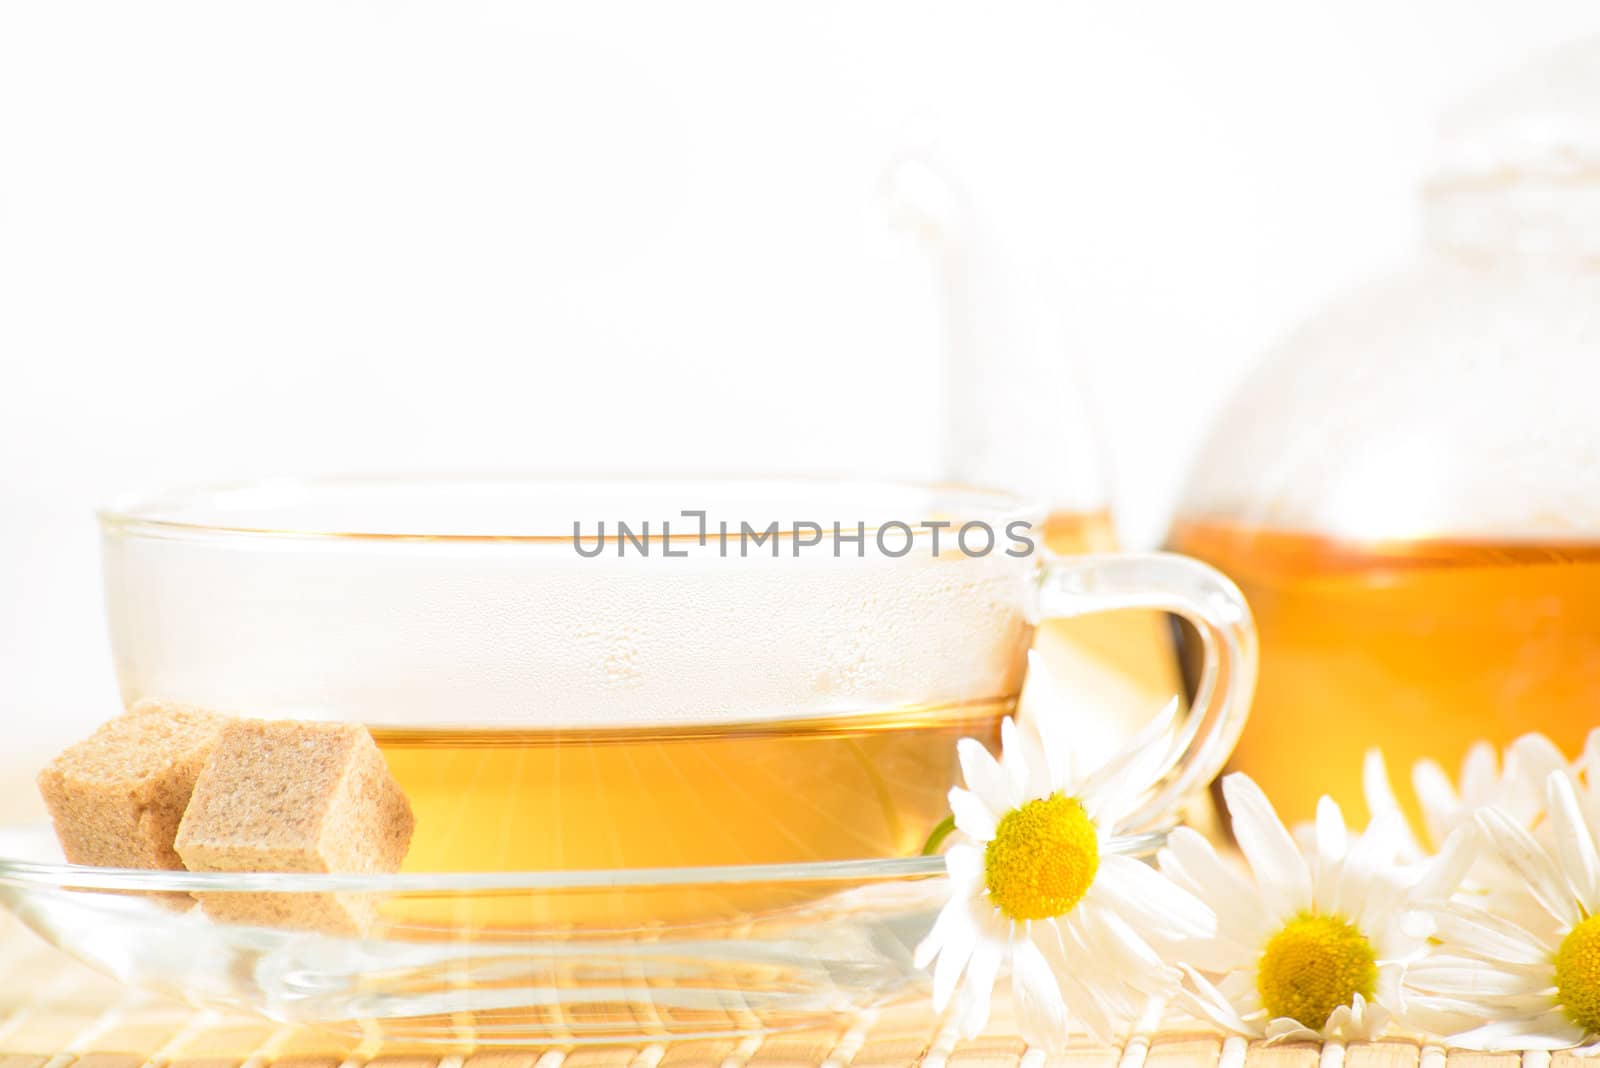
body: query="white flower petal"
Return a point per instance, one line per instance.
(1116, 947)
(1041, 1012)
(955, 914)
(1049, 722)
(1191, 862)
(1419, 924)
(1280, 870)
(1575, 848)
(1531, 758)
(1448, 956)
(1367, 890)
(1032, 772)
(1205, 1000)
(1518, 849)
(960, 942)
(964, 863)
(1378, 789)
(1150, 903)
(1589, 762)
(1442, 875)
(1447, 1015)
(985, 777)
(1475, 981)
(1487, 935)
(1240, 987)
(1479, 772)
(978, 991)
(1111, 790)
(1363, 1021)
(1333, 839)
(1330, 843)
(1097, 1005)
(973, 818)
(1441, 808)
(1588, 765)
(1284, 1029)
(1019, 756)
(1343, 1023)
(1550, 1030)
(1387, 992)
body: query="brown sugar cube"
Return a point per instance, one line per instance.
(295, 797)
(116, 797)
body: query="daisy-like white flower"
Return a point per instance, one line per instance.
(1036, 882)
(1514, 784)
(1312, 943)
(1530, 967)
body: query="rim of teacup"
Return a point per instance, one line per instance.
(202, 509)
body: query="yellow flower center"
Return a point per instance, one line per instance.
(1042, 858)
(1314, 965)
(1578, 974)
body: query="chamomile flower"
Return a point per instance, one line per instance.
(1312, 944)
(1514, 784)
(1525, 975)
(1035, 882)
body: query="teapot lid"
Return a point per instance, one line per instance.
(1516, 168)
(1539, 121)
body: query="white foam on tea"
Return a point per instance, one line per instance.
(461, 633)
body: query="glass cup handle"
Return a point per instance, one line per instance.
(1079, 585)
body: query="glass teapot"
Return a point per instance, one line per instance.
(1408, 490)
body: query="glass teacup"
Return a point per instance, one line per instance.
(572, 675)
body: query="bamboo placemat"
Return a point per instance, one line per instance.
(55, 1013)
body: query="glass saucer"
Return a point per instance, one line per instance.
(497, 958)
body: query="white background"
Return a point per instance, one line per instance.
(247, 238)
